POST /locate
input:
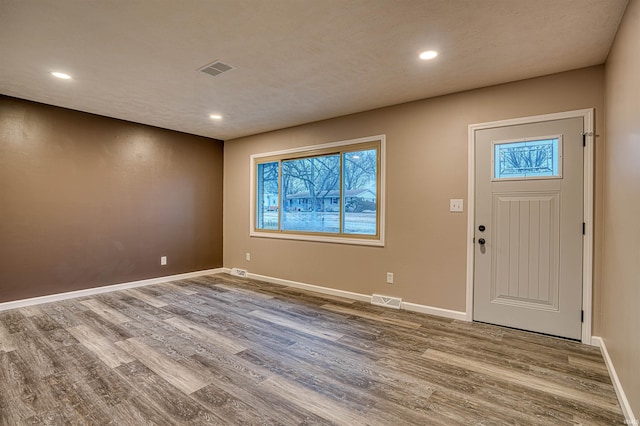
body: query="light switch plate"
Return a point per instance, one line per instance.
(456, 205)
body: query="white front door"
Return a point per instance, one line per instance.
(529, 226)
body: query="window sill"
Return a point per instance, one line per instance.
(376, 242)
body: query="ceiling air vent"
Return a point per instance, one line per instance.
(216, 68)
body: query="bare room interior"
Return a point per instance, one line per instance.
(320, 212)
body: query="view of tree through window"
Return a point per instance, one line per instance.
(359, 183)
(267, 181)
(308, 184)
(531, 158)
(330, 193)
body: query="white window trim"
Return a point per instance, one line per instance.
(321, 238)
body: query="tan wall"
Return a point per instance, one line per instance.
(87, 201)
(426, 166)
(620, 304)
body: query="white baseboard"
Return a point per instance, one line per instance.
(104, 289)
(311, 287)
(439, 312)
(622, 397)
(357, 296)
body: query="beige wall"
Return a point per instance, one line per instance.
(87, 201)
(426, 166)
(620, 304)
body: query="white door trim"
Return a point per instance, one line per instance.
(588, 188)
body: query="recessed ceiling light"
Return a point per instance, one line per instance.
(215, 117)
(61, 75)
(429, 54)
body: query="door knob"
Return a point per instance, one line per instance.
(481, 241)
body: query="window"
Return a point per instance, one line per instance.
(539, 158)
(329, 192)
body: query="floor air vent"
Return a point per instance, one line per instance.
(386, 301)
(239, 272)
(216, 68)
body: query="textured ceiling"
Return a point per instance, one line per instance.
(295, 61)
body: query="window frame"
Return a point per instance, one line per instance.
(340, 147)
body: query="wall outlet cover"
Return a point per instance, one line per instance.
(456, 205)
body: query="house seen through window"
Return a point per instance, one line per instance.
(320, 191)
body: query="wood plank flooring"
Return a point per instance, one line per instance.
(223, 350)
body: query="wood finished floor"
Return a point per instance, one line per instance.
(224, 350)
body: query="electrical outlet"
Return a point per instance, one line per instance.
(247, 256)
(389, 277)
(456, 205)
(163, 260)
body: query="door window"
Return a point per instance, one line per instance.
(538, 158)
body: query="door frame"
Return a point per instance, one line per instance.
(588, 191)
